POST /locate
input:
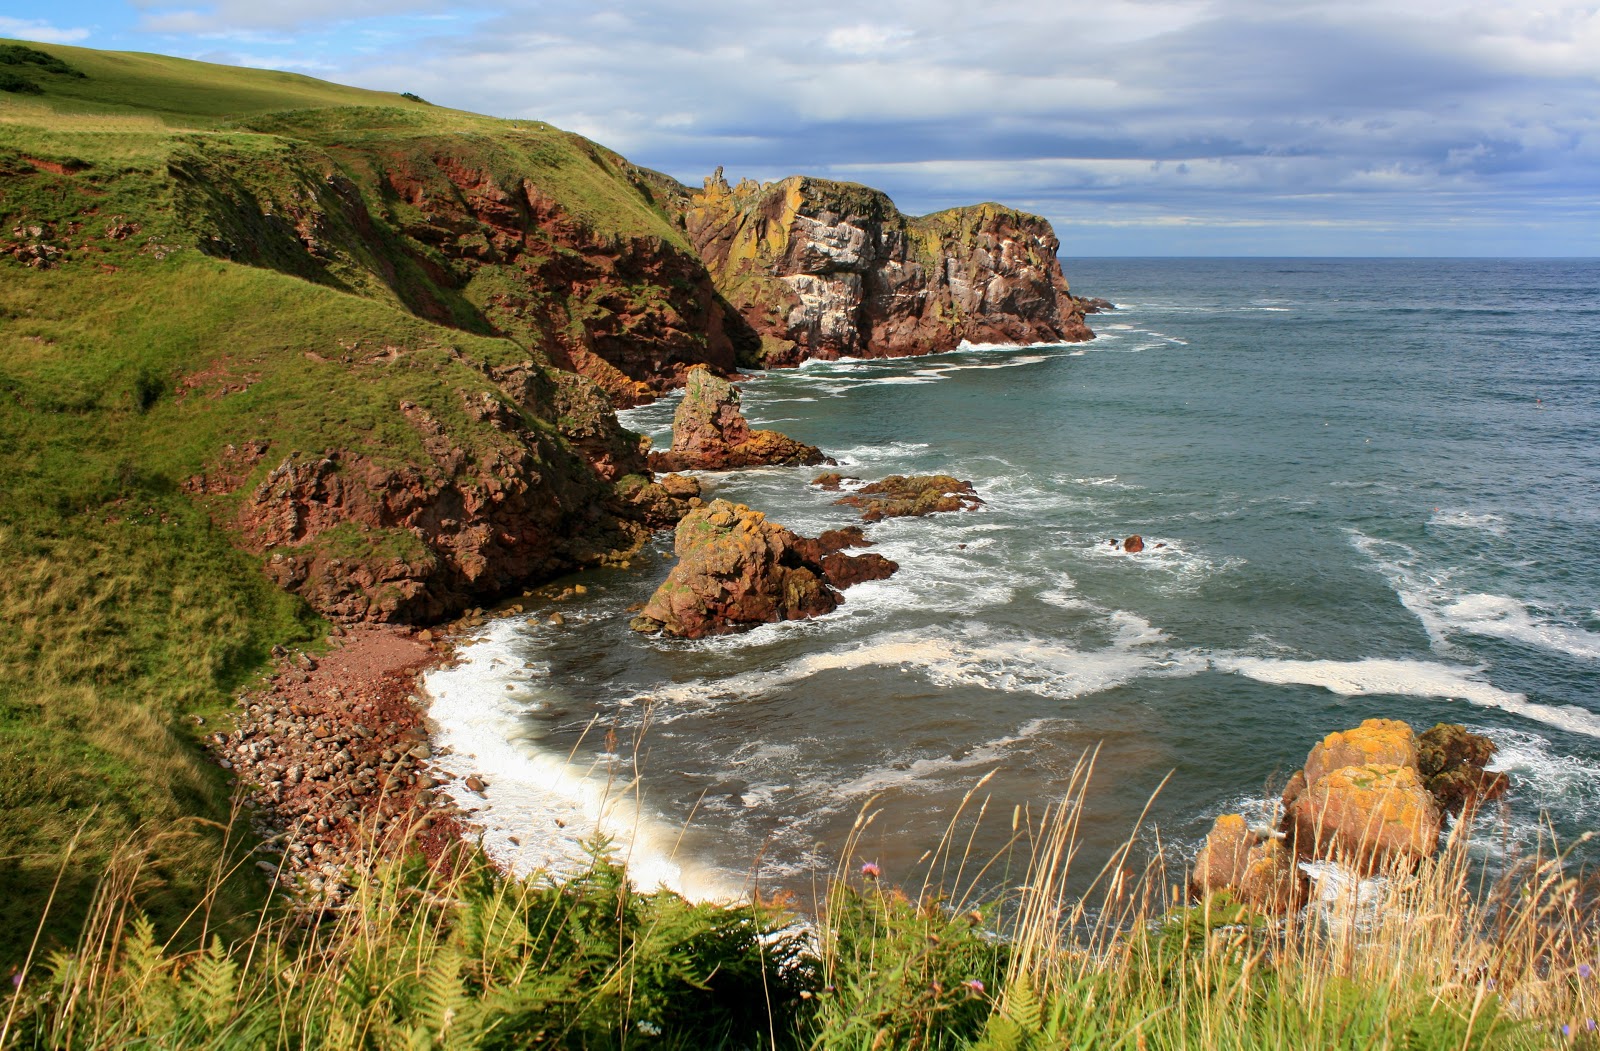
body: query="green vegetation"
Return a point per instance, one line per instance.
(473, 959)
(204, 271)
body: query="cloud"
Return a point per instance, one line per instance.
(227, 17)
(1248, 111)
(44, 32)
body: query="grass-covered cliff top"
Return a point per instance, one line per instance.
(194, 257)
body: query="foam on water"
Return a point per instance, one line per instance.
(1408, 678)
(1501, 617)
(1486, 521)
(1445, 611)
(933, 772)
(970, 654)
(537, 806)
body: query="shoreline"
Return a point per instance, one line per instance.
(332, 756)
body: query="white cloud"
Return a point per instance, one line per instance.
(43, 32)
(866, 39)
(1367, 111)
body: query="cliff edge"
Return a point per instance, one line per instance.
(823, 269)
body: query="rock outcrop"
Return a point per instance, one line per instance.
(901, 496)
(710, 433)
(1452, 759)
(736, 569)
(1257, 870)
(824, 269)
(1372, 798)
(495, 499)
(1362, 800)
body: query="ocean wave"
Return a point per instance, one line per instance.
(973, 656)
(538, 807)
(909, 773)
(1446, 611)
(1408, 678)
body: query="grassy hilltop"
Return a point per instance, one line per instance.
(197, 260)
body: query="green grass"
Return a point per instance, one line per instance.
(474, 959)
(228, 266)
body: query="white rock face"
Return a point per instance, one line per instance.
(828, 307)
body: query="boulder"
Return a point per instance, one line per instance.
(736, 569)
(657, 504)
(710, 433)
(1451, 760)
(900, 496)
(1368, 816)
(1134, 544)
(1259, 872)
(1376, 741)
(831, 481)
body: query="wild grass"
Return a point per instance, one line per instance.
(962, 955)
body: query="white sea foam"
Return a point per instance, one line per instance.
(1184, 569)
(1506, 618)
(1445, 611)
(970, 655)
(537, 806)
(1408, 678)
(934, 771)
(1485, 521)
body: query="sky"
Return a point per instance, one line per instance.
(1138, 127)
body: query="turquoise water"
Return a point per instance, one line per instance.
(1367, 488)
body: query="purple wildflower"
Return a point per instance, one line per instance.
(1566, 1030)
(16, 980)
(974, 985)
(871, 870)
(1584, 970)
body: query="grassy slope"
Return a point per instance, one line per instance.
(130, 614)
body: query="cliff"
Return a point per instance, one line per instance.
(826, 269)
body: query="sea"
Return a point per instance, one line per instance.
(1366, 488)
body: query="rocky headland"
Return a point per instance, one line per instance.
(822, 269)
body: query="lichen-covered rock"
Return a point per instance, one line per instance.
(899, 496)
(710, 433)
(1257, 871)
(1451, 760)
(1376, 741)
(736, 569)
(1368, 816)
(825, 269)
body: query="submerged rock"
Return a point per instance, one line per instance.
(736, 569)
(900, 496)
(710, 433)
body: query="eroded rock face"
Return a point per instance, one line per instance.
(736, 569)
(900, 496)
(710, 433)
(825, 269)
